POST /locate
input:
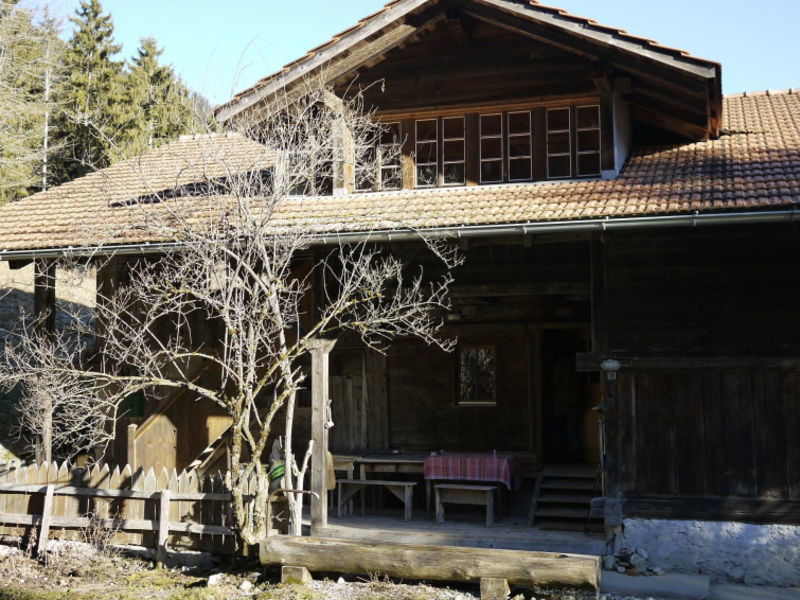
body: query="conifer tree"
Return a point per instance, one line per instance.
(161, 106)
(92, 112)
(29, 75)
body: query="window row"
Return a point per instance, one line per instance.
(507, 148)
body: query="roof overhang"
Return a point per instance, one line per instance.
(695, 219)
(678, 91)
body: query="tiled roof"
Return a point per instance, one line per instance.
(754, 165)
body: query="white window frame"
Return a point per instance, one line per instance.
(463, 140)
(500, 137)
(580, 152)
(568, 131)
(435, 162)
(394, 167)
(510, 135)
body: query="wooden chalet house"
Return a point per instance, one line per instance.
(630, 291)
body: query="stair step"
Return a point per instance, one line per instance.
(556, 525)
(565, 499)
(562, 513)
(566, 484)
(570, 471)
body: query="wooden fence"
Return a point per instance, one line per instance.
(62, 502)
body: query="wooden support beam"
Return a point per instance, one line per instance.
(44, 296)
(132, 458)
(668, 122)
(163, 527)
(44, 526)
(320, 351)
(441, 563)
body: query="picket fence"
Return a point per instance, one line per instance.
(52, 501)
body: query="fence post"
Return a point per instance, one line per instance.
(163, 527)
(132, 445)
(44, 526)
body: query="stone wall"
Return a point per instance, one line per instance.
(726, 551)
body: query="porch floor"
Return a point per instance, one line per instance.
(510, 532)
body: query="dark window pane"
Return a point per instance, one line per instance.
(453, 128)
(476, 376)
(454, 173)
(519, 168)
(558, 143)
(588, 140)
(491, 125)
(588, 164)
(454, 150)
(588, 117)
(492, 171)
(426, 175)
(519, 122)
(426, 130)
(391, 134)
(558, 166)
(426, 152)
(519, 146)
(558, 119)
(391, 179)
(492, 148)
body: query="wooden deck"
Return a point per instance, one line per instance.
(510, 533)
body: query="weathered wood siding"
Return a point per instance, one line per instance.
(707, 404)
(473, 62)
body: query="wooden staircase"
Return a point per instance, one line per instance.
(562, 498)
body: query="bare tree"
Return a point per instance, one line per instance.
(246, 258)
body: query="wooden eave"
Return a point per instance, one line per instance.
(694, 83)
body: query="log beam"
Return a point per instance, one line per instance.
(320, 351)
(441, 563)
(44, 296)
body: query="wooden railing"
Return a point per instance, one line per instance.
(169, 510)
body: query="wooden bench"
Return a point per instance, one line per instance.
(404, 490)
(454, 493)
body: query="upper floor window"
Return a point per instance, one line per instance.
(520, 146)
(588, 140)
(379, 166)
(515, 145)
(440, 150)
(491, 148)
(559, 143)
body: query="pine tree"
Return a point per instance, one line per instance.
(93, 105)
(29, 75)
(161, 106)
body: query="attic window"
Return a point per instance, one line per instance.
(588, 140)
(453, 151)
(427, 138)
(520, 154)
(559, 147)
(379, 166)
(491, 148)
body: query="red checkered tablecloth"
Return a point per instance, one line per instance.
(470, 467)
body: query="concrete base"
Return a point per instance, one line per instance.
(747, 592)
(671, 585)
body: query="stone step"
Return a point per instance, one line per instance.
(568, 484)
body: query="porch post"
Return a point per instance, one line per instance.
(44, 296)
(44, 319)
(320, 349)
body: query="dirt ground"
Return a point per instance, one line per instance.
(75, 571)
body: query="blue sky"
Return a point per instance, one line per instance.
(224, 46)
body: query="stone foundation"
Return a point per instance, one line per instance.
(726, 551)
